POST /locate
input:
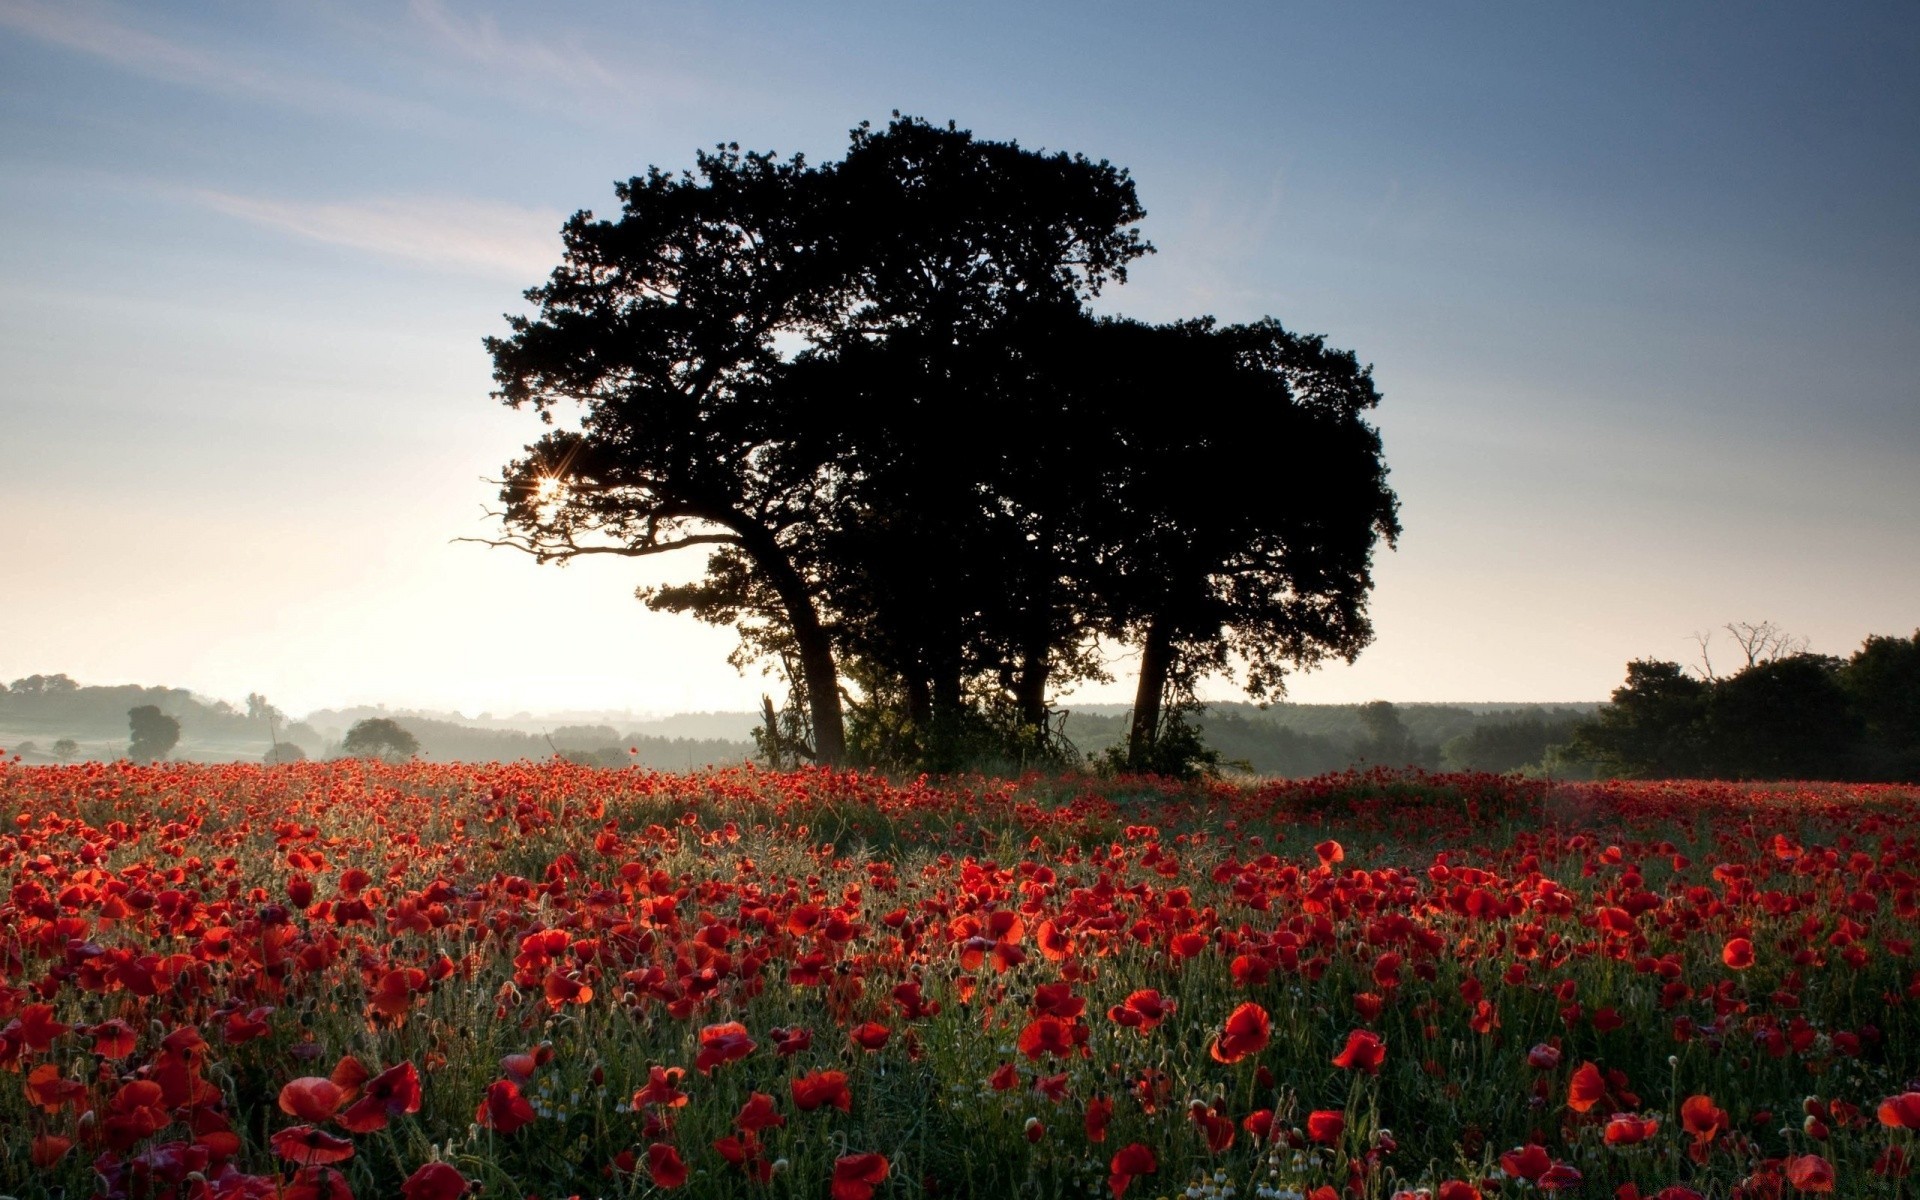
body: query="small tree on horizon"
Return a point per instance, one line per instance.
(379, 737)
(154, 733)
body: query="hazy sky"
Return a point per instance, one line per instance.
(1640, 284)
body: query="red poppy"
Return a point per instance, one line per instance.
(723, 1043)
(1051, 1035)
(504, 1109)
(1700, 1117)
(1325, 1125)
(665, 1166)
(1142, 1010)
(788, 1042)
(871, 1035)
(816, 1088)
(48, 1149)
(1810, 1173)
(1901, 1112)
(311, 1147)
(1127, 1164)
(1627, 1129)
(1099, 1113)
(311, 1098)
(1365, 1051)
(435, 1181)
(1247, 1030)
(392, 1093)
(1737, 953)
(856, 1175)
(1586, 1088)
(758, 1113)
(660, 1089)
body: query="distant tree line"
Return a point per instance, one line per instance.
(1785, 714)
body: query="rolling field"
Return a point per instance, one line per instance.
(347, 979)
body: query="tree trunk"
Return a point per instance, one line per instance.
(811, 642)
(1156, 658)
(1030, 690)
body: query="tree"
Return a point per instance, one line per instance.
(1211, 555)
(65, 749)
(379, 737)
(1758, 642)
(154, 733)
(1781, 718)
(1654, 729)
(666, 327)
(1882, 682)
(283, 752)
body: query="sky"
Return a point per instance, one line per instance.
(1640, 284)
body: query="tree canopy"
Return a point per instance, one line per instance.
(154, 733)
(379, 737)
(927, 479)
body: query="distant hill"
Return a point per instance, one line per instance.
(1280, 739)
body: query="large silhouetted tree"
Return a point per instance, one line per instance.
(1222, 546)
(673, 328)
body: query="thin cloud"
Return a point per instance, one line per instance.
(481, 237)
(479, 40)
(105, 33)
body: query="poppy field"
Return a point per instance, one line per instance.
(348, 979)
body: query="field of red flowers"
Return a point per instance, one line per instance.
(344, 979)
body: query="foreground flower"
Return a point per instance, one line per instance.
(816, 1088)
(1126, 1164)
(1326, 1125)
(856, 1175)
(665, 1166)
(435, 1181)
(722, 1043)
(1365, 1052)
(392, 1093)
(1901, 1112)
(1810, 1173)
(311, 1147)
(1247, 1031)
(504, 1109)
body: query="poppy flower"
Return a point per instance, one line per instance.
(1099, 1113)
(1627, 1129)
(1365, 1051)
(504, 1110)
(48, 1149)
(316, 1183)
(723, 1043)
(1737, 953)
(1050, 1035)
(1901, 1112)
(311, 1147)
(1325, 1125)
(871, 1035)
(1810, 1173)
(1700, 1117)
(1586, 1088)
(856, 1175)
(311, 1098)
(392, 1093)
(758, 1113)
(1247, 1030)
(665, 1166)
(787, 1042)
(1127, 1164)
(435, 1181)
(1142, 1010)
(660, 1090)
(112, 1038)
(816, 1088)
(50, 1091)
